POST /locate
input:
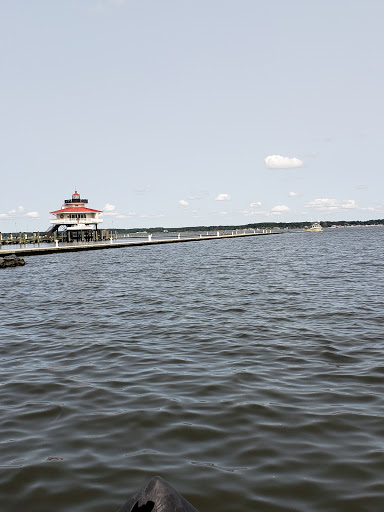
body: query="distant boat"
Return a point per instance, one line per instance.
(316, 226)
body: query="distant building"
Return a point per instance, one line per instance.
(75, 220)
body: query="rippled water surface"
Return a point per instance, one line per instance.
(249, 373)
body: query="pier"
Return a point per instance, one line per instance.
(116, 244)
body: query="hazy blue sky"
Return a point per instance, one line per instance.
(179, 113)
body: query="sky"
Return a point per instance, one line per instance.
(180, 113)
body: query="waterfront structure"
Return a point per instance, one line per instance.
(75, 220)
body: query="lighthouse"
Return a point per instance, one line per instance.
(76, 220)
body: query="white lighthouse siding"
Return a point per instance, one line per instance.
(76, 218)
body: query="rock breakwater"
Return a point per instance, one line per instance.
(11, 260)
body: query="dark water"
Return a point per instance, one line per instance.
(249, 373)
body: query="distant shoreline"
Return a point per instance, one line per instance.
(257, 225)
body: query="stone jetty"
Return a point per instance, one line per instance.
(11, 260)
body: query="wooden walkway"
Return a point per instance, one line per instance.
(114, 244)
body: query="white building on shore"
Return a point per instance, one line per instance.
(77, 220)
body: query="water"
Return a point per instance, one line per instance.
(249, 373)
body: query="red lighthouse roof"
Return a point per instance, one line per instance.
(76, 209)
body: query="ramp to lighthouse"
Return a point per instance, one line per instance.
(51, 230)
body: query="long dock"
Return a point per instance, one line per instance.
(114, 244)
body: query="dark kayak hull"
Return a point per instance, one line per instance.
(157, 496)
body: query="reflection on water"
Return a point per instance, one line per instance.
(248, 373)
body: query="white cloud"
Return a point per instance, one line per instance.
(18, 213)
(282, 162)
(378, 208)
(254, 209)
(183, 203)
(349, 203)
(323, 204)
(293, 194)
(326, 204)
(109, 209)
(223, 197)
(280, 208)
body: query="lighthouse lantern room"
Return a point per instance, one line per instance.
(75, 220)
